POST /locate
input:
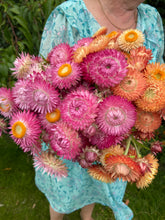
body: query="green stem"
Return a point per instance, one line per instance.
(136, 148)
(128, 142)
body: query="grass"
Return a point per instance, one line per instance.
(21, 200)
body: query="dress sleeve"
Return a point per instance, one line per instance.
(150, 23)
(57, 30)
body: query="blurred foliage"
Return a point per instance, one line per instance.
(21, 26)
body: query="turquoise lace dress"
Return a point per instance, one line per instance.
(70, 22)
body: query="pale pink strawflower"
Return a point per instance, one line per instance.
(65, 141)
(7, 104)
(79, 109)
(22, 66)
(51, 165)
(108, 67)
(65, 75)
(25, 129)
(20, 93)
(60, 53)
(42, 97)
(116, 116)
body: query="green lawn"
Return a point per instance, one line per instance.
(21, 200)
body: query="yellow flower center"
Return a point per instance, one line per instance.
(65, 70)
(19, 129)
(53, 116)
(150, 94)
(112, 34)
(131, 36)
(159, 75)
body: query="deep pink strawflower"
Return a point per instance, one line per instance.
(7, 105)
(102, 140)
(108, 67)
(79, 109)
(25, 129)
(59, 54)
(65, 141)
(65, 75)
(116, 116)
(42, 97)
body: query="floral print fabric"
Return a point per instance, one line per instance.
(70, 22)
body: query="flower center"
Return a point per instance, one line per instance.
(150, 94)
(53, 116)
(112, 34)
(160, 75)
(19, 129)
(131, 36)
(122, 169)
(65, 70)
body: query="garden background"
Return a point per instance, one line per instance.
(21, 26)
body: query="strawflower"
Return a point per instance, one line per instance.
(50, 164)
(65, 141)
(116, 116)
(79, 108)
(25, 129)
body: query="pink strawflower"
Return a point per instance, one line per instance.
(156, 147)
(85, 66)
(50, 164)
(42, 97)
(7, 105)
(20, 93)
(82, 42)
(59, 54)
(65, 141)
(50, 118)
(116, 116)
(108, 67)
(25, 129)
(66, 75)
(79, 109)
(22, 66)
(102, 140)
(3, 126)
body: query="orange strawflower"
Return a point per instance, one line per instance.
(132, 86)
(153, 99)
(113, 150)
(123, 167)
(100, 31)
(155, 72)
(147, 122)
(149, 175)
(80, 54)
(99, 43)
(98, 172)
(130, 39)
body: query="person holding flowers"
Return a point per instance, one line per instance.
(88, 103)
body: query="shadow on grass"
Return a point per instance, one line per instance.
(21, 200)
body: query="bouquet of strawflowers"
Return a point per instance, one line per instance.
(98, 103)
